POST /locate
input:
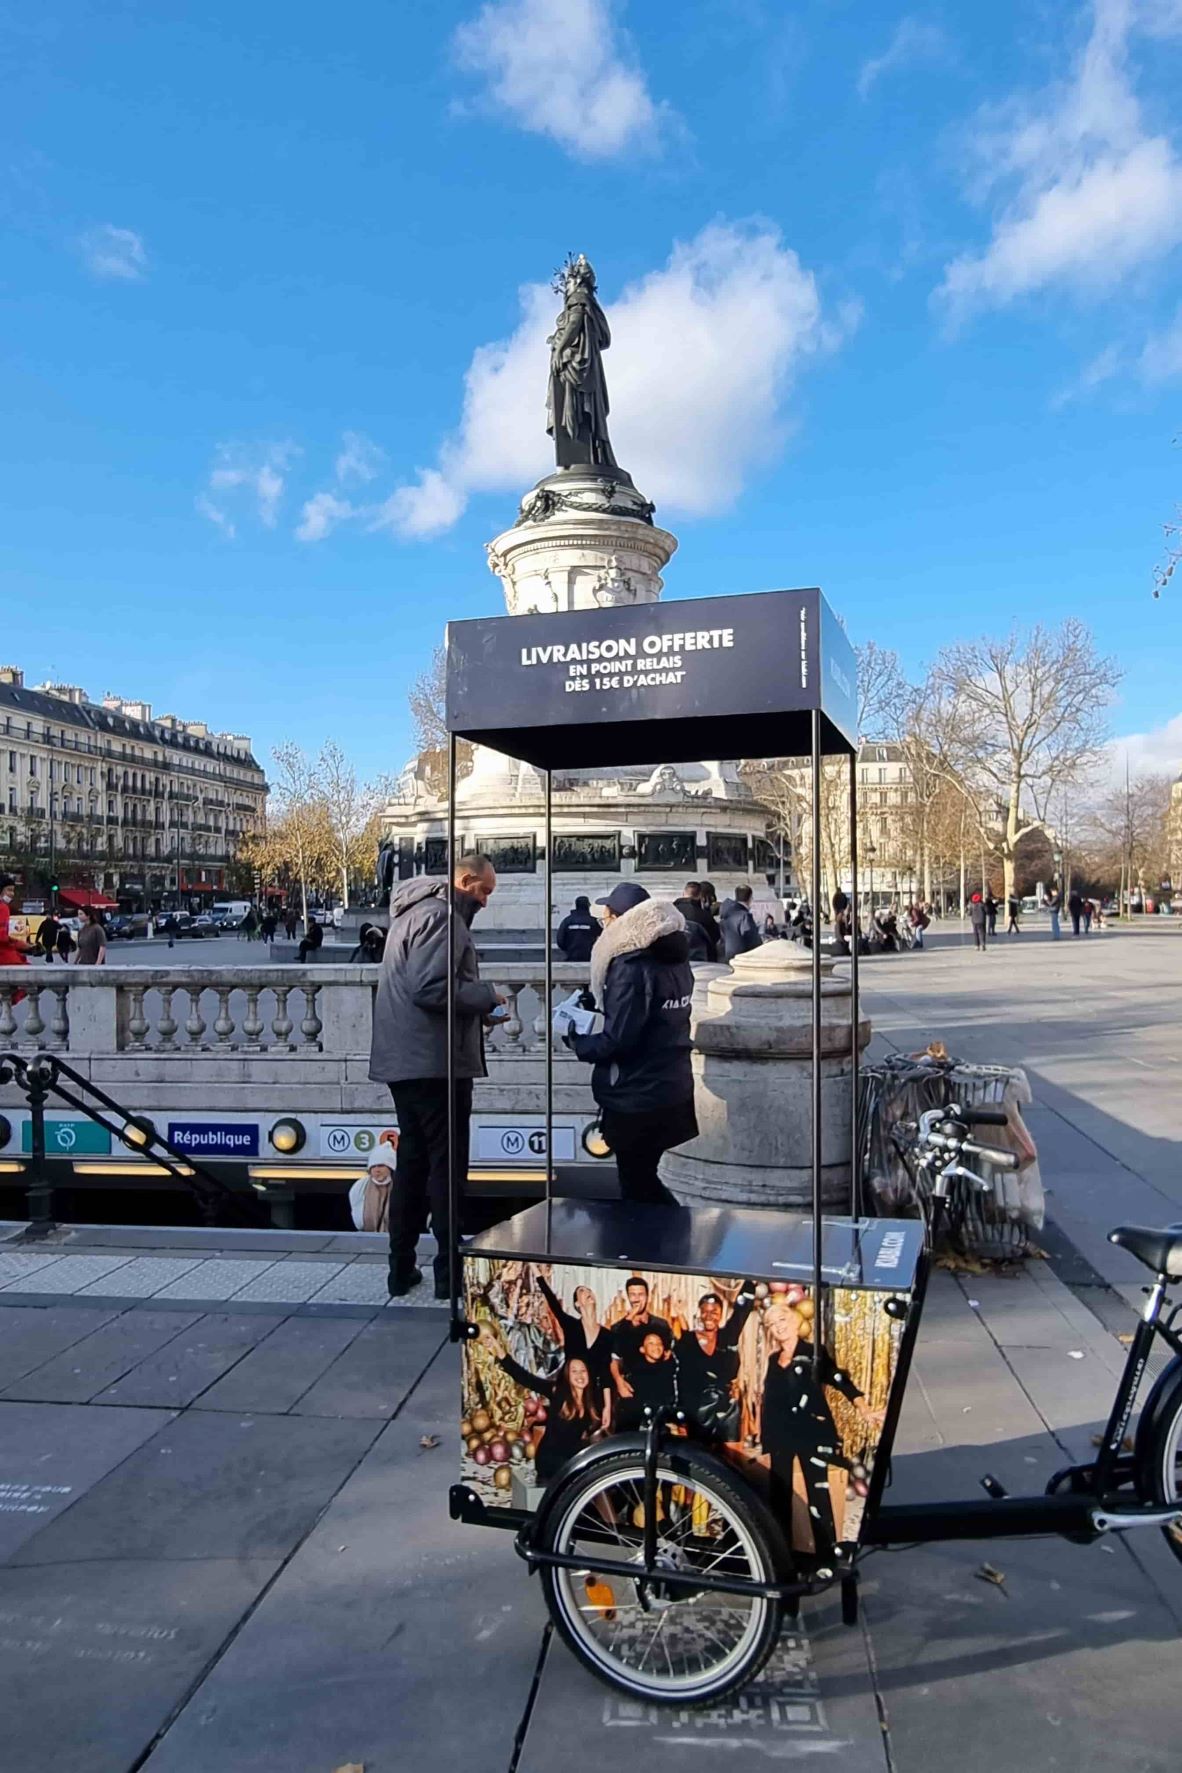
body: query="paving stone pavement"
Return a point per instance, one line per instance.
(224, 1543)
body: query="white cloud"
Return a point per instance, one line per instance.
(912, 41)
(703, 357)
(561, 68)
(116, 253)
(1091, 193)
(320, 516)
(359, 459)
(242, 475)
(1154, 752)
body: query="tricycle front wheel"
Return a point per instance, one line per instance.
(670, 1644)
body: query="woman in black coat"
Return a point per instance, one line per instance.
(642, 1081)
(574, 1412)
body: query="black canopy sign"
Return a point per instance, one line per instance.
(661, 682)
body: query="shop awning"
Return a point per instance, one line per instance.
(80, 896)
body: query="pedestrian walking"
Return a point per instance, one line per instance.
(1054, 905)
(704, 935)
(990, 904)
(92, 939)
(65, 943)
(642, 1081)
(578, 933)
(47, 931)
(409, 1052)
(1088, 914)
(291, 924)
(1075, 909)
(1013, 906)
(740, 932)
(979, 918)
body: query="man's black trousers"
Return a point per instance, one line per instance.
(420, 1178)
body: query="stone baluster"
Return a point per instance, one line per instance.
(252, 1022)
(281, 1022)
(195, 1021)
(166, 1026)
(34, 1023)
(311, 1024)
(511, 1027)
(59, 1022)
(538, 987)
(7, 1019)
(223, 1025)
(137, 1022)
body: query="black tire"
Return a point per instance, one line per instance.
(1164, 1455)
(753, 1547)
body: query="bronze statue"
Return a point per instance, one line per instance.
(577, 404)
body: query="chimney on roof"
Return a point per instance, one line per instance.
(12, 674)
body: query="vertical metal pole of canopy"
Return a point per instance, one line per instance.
(855, 1069)
(454, 1193)
(816, 899)
(548, 999)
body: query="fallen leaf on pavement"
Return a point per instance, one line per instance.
(987, 1573)
(350, 1767)
(1125, 1336)
(428, 1442)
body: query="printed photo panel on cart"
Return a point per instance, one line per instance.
(568, 1355)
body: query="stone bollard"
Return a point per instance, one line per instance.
(753, 1083)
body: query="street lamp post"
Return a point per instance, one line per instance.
(871, 852)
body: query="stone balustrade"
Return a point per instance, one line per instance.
(272, 1038)
(240, 1010)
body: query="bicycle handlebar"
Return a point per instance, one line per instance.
(994, 1154)
(979, 1116)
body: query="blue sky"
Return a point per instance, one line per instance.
(895, 298)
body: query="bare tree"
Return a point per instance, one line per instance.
(882, 692)
(427, 699)
(350, 805)
(1127, 835)
(300, 811)
(1031, 714)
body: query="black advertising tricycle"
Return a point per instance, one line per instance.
(686, 1416)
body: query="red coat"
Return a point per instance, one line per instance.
(10, 954)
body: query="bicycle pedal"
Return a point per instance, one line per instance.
(994, 1487)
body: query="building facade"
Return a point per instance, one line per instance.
(112, 802)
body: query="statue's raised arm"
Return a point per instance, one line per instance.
(577, 405)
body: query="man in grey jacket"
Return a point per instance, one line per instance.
(409, 1052)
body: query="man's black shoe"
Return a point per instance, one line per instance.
(442, 1288)
(404, 1283)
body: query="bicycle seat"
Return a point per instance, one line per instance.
(1159, 1250)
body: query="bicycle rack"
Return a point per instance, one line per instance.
(40, 1077)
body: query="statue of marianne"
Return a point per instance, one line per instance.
(577, 404)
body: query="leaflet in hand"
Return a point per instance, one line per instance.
(571, 1018)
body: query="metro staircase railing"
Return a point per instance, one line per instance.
(40, 1078)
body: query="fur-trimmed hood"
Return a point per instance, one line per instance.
(650, 922)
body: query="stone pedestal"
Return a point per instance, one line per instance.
(753, 1082)
(583, 540)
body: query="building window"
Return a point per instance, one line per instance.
(12, 763)
(110, 809)
(32, 766)
(67, 773)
